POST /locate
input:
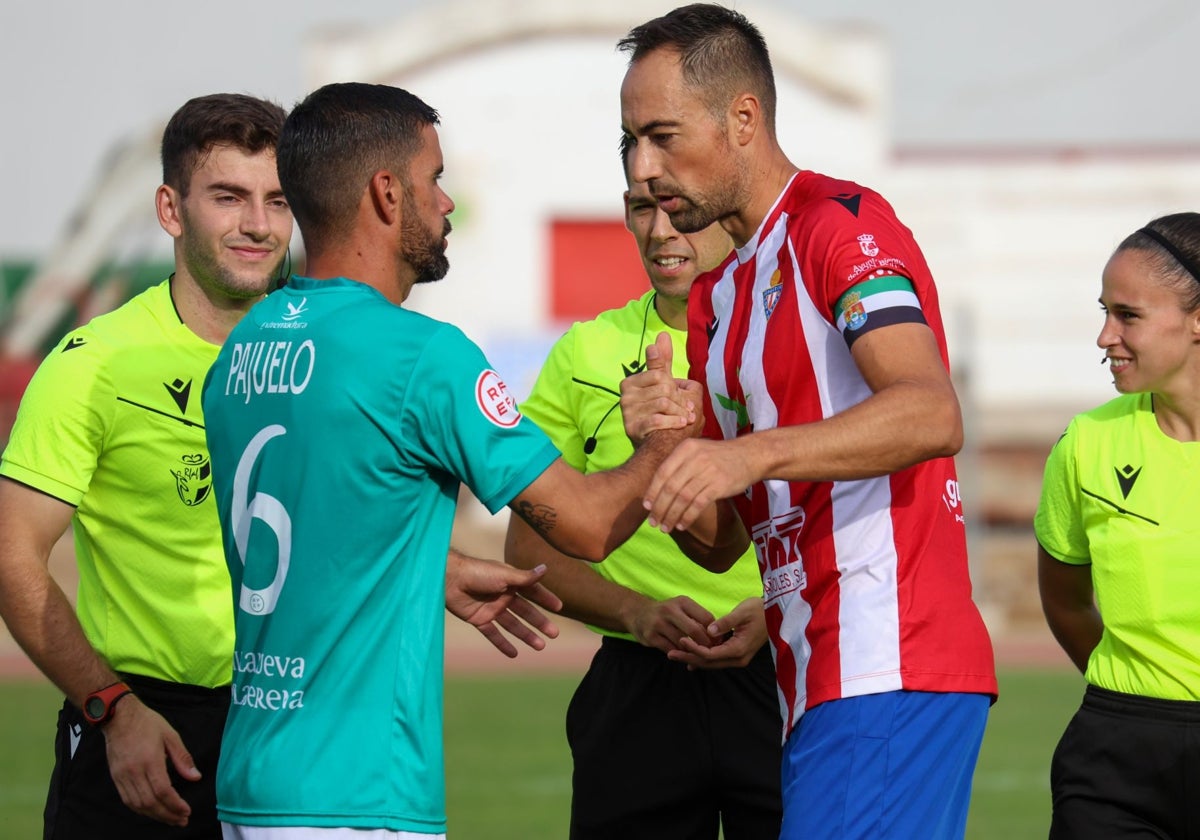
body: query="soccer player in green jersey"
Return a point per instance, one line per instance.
(341, 426)
(110, 438)
(678, 640)
(1117, 532)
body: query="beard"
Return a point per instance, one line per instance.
(422, 249)
(698, 210)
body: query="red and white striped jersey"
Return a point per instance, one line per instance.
(865, 582)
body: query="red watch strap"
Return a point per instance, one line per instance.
(100, 712)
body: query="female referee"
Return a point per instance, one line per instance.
(1118, 531)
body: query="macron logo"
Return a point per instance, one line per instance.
(76, 734)
(294, 310)
(1126, 476)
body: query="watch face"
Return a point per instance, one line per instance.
(94, 707)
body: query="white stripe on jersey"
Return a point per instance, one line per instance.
(869, 615)
(714, 370)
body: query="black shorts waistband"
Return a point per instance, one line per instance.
(153, 687)
(1116, 702)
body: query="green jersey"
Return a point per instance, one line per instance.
(341, 427)
(111, 424)
(576, 401)
(1121, 495)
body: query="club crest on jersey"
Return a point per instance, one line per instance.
(193, 479)
(855, 312)
(867, 243)
(772, 293)
(497, 405)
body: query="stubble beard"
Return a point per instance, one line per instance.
(207, 270)
(423, 250)
(698, 212)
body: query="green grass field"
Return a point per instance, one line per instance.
(509, 771)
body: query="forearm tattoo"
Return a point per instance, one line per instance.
(541, 518)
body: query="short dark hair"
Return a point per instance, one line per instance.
(335, 140)
(220, 119)
(721, 52)
(1173, 244)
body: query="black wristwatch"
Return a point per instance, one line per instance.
(98, 706)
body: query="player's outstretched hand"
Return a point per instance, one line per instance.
(665, 624)
(733, 639)
(495, 597)
(139, 743)
(654, 399)
(696, 474)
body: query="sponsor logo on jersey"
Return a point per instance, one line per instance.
(878, 267)
(855, 312)
(1126, 477)
(867, 243)
(193, 478)
(772, 293)
(179, 391)
(295, 310)
(74, 342)
(777, 542)
(849, 201)
(497, 405)
(952, 499)
(291, 318)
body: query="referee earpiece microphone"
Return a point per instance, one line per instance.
(589, 445)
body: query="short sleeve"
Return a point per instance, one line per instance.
(1058, 523)
(60, 426)
(869, 262)
(550, 403)
(460, 418)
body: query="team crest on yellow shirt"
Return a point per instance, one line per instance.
(193, 478)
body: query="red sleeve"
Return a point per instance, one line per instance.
(848, 238)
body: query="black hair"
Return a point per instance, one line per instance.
(1173, 244)
(722, 54)
(335, 140)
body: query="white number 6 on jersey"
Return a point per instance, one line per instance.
(270, 511)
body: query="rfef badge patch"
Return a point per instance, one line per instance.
(494, 400)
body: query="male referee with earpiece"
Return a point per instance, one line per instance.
(109, 441)
(669, 740)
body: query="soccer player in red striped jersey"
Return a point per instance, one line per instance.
(832, 423)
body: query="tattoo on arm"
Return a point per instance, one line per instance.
(541, 518)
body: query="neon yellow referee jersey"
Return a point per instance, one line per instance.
(576, 402)
(112, 424)
(1121, 495)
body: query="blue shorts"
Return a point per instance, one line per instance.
(883, 766)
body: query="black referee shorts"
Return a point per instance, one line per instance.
(83, 803)
(1127, 766)
(664, 753)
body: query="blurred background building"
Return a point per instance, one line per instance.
(1019, 144)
